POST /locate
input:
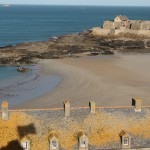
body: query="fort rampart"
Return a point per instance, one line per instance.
(121, 25)
(122, 31)
(76, 128)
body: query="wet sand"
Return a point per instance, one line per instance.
(108, 80)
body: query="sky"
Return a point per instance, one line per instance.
(82, 2)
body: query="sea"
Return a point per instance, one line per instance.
(28, 23)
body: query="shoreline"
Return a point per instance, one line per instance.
(25, 86)
(72, 46)
(79, 82)
(108, 80)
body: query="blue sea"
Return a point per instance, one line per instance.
(25, 23)
(20, 23)
(17, 88)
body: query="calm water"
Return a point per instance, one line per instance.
(34, 23)
(6, 72)
(20, 24)
(16, 87)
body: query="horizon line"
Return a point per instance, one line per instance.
(77, 5)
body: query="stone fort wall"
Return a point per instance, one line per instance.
(128, 24)
(115, 32)
(76, 128)
(122, 26)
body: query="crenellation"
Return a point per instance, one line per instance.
(67, 108)
(137, 103)
(93, 107)
(82, 130)
(5, 113)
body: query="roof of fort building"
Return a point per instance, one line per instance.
(122, 18)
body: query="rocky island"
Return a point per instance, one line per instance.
(120, 35)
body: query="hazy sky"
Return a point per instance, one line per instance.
(82, 2)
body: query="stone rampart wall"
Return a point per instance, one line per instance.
(122, 31)
(108, 25)
(111, 25)
(130, 24)
(134, 32)
(70, 126)
(102, 31)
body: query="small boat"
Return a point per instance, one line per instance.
(6, 4)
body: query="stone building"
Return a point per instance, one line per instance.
(123, 22)
(121, 25)
(121, 18)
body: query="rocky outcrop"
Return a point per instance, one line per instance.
(148, 43)
(22, 69)
(74, 45)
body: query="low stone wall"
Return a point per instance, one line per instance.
(145, 33)
(123, 31)
(99, 128)
(103, 32)
(102, 127)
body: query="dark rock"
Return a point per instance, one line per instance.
(22, 69)
(4, 61)
(7, 46)
(93, 54)
(148, 43)
(134, 44)
(70, 46)
(107, 52)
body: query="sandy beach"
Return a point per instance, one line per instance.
(108, 80)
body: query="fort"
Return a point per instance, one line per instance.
(121, 25)
(76, 128)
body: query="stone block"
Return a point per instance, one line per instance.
(93, 107)
(67, 108)
(5, 113)
(137, 103)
